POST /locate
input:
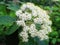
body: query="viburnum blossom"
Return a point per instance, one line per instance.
(34, 20)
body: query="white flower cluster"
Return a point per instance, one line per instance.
(29, 15)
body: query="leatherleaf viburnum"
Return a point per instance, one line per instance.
(34, 21)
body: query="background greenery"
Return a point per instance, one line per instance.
(8, 17)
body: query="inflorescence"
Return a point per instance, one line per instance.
(34, 21)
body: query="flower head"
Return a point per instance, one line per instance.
(30, 15)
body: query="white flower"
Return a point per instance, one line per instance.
(23, 7)
(18, 13)
(33, 30)
(30, 7)
(46, 27)
(43, 27)
(20, 23)
(30, 4)
(28, 17)
(38, 20)
(24, 17)
(26, 28)
(45, 15)
(47, 22)
(34, 13)
(24, 35)
(49, 29)
(25, 40)
(44, 32)
(32, 26)
(42, 36)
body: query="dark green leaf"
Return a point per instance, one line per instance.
(13, 7)
(54, 40)
(6, 20)
(54, 34)
(58, 40)
(38, 26)
(3, 9)
(11, 29)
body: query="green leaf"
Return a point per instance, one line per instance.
(58, 40)
(11, 29)
(40, 42)
(13, 6)
(38, 26)
(29, 22)
(2, 2)
(3, 9)
(55, 8)
(1, 29)
(54, 34)
(6, 20)
(47, 8)
(12, 14)
(54, 40)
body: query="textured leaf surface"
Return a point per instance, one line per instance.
(11, 29)
(6, 20)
